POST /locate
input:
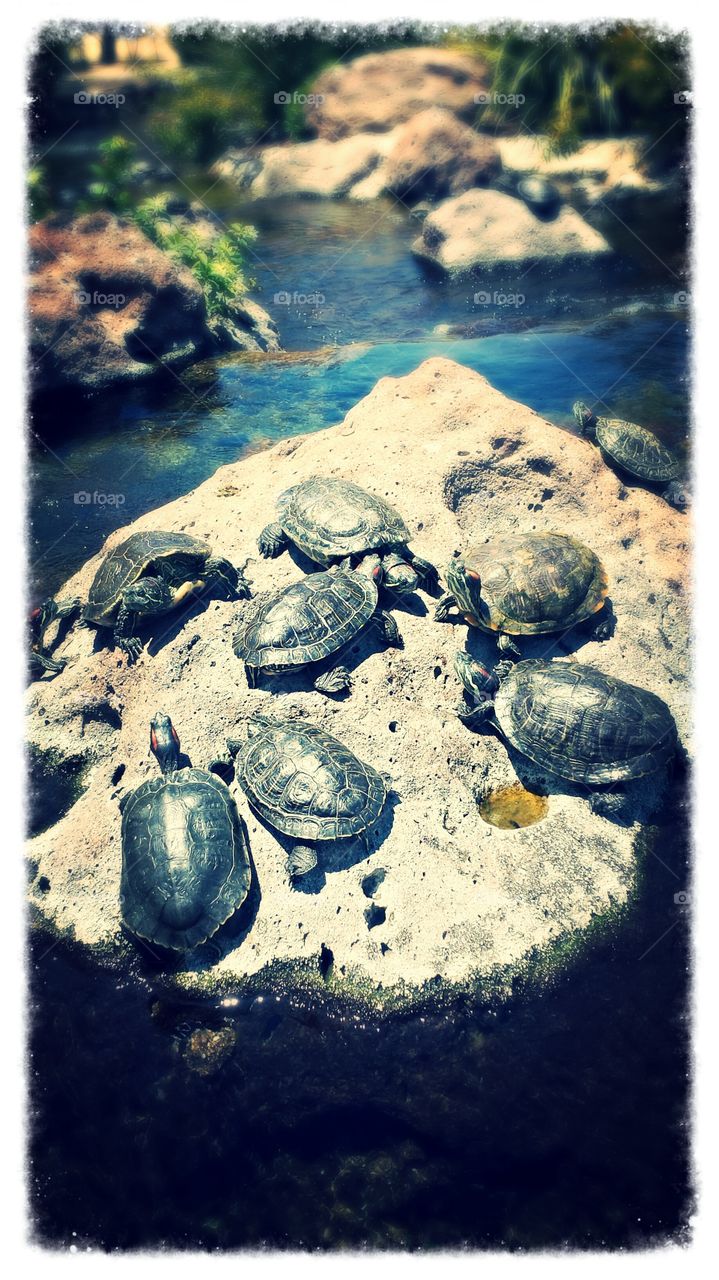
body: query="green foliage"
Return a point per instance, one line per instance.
(216, 261)
(580, 84)
(111, 177)
(38, 196)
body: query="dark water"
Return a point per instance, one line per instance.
(558, 1118)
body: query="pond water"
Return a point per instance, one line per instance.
(557, 1118)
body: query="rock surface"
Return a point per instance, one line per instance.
(107, 306)
(318, 168)
(485, 229)
(436, 893)
(377, 91)
(605, 168)
(434, 155)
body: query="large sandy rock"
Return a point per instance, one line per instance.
(599, 168)
(455, 899)
(318, 168)
(486, 229)
(377, 91)
(107, 306)
(434, 155)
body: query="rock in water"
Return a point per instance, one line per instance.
(464, 900)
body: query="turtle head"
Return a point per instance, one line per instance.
(398, 575)
(164, 742)
(465, 585)
(480, 683)
(583, 416)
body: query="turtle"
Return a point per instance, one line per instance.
(309, 621)
(185, 856)
(527, 584)
(41, 617)
(306, 784)
(635, 450)
(540, 195)
(151, 573)
(573, 720)
(331, 519)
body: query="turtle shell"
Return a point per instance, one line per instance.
(636, 450)
(128, 561)
(306, 621)
(307, 784)
(583, 725)
(329, 518)
(534, 583)
(185, 860)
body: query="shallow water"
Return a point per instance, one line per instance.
(555, 1118)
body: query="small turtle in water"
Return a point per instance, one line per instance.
(572, 720)
(527, 584)
(151, 573)
(310, 621)
(539, 195)
(331, 519)
(635, 450)
(185, 858)
(306, 784)
(41, 659)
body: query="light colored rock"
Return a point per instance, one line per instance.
(377, 91)
(318, 168)
(485, 229)
(606, 167)
(464, 901)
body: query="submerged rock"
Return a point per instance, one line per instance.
(487, 229)
(459, 900)
(107, 306)
(377, 91)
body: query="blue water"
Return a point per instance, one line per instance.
(133, 452)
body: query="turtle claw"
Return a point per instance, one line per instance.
(505, 644)
(502, 669)
(272, 541)
(131, 646)
(444, 610)
(676, 495)
(301, 859)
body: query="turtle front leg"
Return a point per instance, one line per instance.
(475, 713)
(272, 541)
(301, 859)
(608, 804)
(447, 609)
(605, 626)
(389, 632)
(505, 644)
(41, 662)
(123, 637)
(426, 573)
(225, 581)
(142, 599)
(337, 680)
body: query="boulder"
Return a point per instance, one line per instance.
(436, 896)
(377, 91)
(318, 168)
(487, 229)
(434, 155)
(608, 169)
(107, 306)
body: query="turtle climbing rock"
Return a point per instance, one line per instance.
(527, 584)
(330, 519)
(185, 857)
(635, 450)
(572, 720)
(310, 622)
(151, 573)
(307, 785)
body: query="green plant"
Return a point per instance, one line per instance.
(111, 176)
(218, 262)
